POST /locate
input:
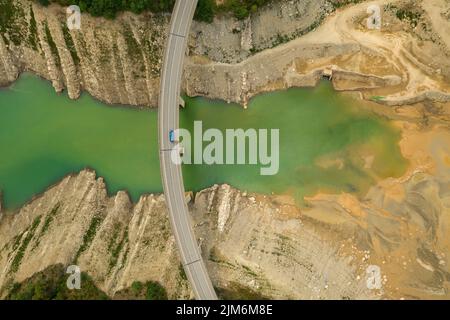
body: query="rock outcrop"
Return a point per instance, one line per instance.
(264, 246)
(247, 241)
(115, 61)
(118, 61)
(112, 239)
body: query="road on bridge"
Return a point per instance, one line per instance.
(170, 172)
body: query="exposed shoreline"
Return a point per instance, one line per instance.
(344, 213)
(400, 224)
(374, 63)
(387, 65)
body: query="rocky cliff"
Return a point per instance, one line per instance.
(248, 241)
(284, 44)
(254, 245)
(251, 243)
(119, 61)
(115, 61)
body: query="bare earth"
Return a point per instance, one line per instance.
(400, 63)
(267, 244)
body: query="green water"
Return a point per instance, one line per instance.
(324, 139)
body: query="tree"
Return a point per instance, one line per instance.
(205, 11)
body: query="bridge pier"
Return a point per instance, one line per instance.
(181, 102)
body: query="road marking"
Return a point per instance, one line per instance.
(177, 35)
(172, 179)
(188, 264)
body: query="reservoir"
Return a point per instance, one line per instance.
(328, 142)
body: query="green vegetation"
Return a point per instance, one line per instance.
(154, 291)
(206, 9)
(154, 52)
(182, 272)
(24, 245)
(33, 35)
(48, 220)
(133, 48)
(12, 24)
(136, 287)
(377, 98)
(16, 241)
(407, 13)
(236, 291)
(150, 290)
(243, 8)
(89, 235)
(110, 8)
(50, 284)
(249, 271)
(70, 44)
(52, 44)
(116, 247)
(341, 3)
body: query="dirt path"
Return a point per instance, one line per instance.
(418, 77)
(393, 63)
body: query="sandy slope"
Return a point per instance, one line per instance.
(401, 63)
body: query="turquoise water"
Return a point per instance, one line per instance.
(324, 139)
